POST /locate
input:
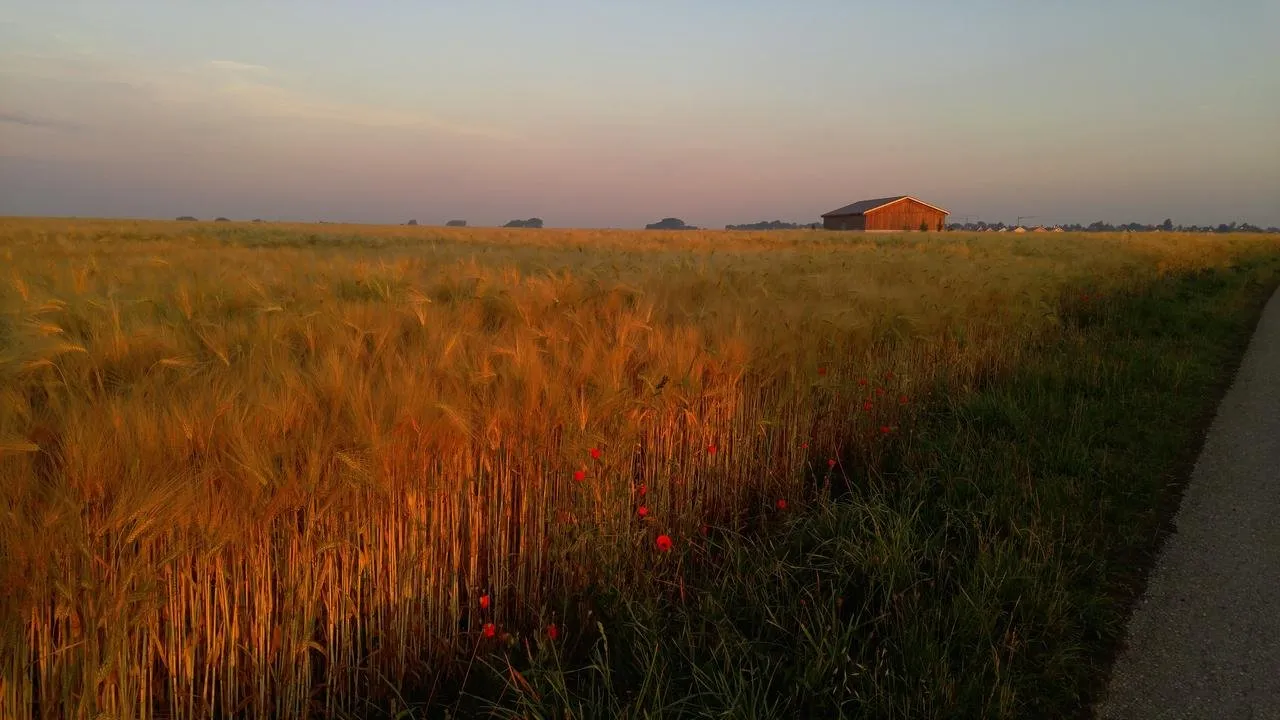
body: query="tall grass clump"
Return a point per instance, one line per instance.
(290, 470)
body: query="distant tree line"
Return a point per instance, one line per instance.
(530, 223)
(1100, 226)
(979, 226)
(773, 225)
(670, 224)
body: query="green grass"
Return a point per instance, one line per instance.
(985, 572)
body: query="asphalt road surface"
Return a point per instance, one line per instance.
(1204, 641)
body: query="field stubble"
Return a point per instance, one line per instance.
(258, 469)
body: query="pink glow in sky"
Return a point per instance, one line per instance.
(616, 115)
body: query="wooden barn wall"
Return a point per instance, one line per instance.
(905, 215)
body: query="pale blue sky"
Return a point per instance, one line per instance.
(613, 114)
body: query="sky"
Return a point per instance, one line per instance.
(616, 114)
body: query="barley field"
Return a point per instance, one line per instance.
(270, 470)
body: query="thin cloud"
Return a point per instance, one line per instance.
(227, 90)
(25, 120)
(234, 66)
(266, 100)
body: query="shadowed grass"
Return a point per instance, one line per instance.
(986, 574)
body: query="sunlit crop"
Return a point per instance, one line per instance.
(260, 468)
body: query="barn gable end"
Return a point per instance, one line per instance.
(897, 213)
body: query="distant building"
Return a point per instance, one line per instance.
(900, 213)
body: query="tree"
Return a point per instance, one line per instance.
(1167, 225)
(669, 224)
(456, 223)
(186, 218)
(412, 222)
(766, 225)
(221, 219)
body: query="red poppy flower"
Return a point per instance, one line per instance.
(595, 453)
(484, 602)
(879, 392)
(490, 630)
(902, 400)
(831, 462)
(862, 382)
(711, 449)
(885, 429)
(1084, 298)
(804, 446)
(642, 490)
(579, 475)
(782, 503)
(642, 511)
(888, 375)
(553, 632)
(868, 406)
(822, 371)
(705, 529)
(664, 543)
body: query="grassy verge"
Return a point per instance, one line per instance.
(986, 571)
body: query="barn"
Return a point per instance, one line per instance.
(900, 212)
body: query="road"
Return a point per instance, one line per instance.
(1204, 641)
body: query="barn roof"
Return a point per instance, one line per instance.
(865, 206)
